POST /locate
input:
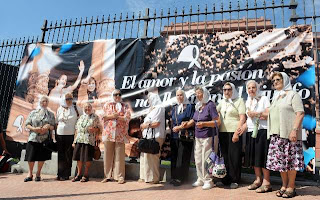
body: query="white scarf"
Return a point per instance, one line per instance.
(41, 110)
(252, 101)
(205, 99)
(286, 87)
(235, 93)
(154, 100)
(185, 102)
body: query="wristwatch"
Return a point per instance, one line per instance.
(295, 129)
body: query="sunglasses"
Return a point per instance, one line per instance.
(68, 99)
(117, 94)
(276, 79)
(227, 89)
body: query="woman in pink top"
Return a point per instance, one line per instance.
(115, 134)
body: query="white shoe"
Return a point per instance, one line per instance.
(197, 183)
(207, 185)
(234, 185)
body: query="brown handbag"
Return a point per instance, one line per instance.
(97, 152)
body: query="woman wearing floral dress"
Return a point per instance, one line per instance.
(114, 136)
(87, 129)
(285, 153)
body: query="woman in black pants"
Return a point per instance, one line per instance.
(66, 119)
(232, 115)
(181, 139)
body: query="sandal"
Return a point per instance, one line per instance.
(264, 189)
(38, 178)
(289, 194)
(254, 186)
(280, 193)
(84, 179)
(77, 178)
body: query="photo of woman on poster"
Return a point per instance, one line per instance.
(60, 88)
(88, 90)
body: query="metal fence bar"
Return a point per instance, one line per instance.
(82, 29)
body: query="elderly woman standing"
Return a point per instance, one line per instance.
(154, 124)
(66, 121)
(114, 136)
(257, 143)
(205, 119)
(40, 122)
(284, 128)
(233, 117)
(180, 113)
(87, 128)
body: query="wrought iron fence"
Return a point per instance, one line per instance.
(230, 16)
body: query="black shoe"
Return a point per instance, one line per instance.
(58, 178)
(37, 179)
(64, 178)
(177, 182)
(27, 179)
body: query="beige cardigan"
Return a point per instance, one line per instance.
(289, 106)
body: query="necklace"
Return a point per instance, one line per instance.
(226, 110)
(64, 115)
(86, 121)
(42, 117)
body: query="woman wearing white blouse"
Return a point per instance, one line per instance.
(257, 143)
(66, 120)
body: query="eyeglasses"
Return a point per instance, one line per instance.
(117, 94)
(227, 89)
(68, 99)
(276, 79)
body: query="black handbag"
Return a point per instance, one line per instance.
(149, 145)
(50, 144)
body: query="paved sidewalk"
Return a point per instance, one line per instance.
(13, 187)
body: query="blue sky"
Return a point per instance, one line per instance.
(20, 18)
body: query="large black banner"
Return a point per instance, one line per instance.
(92, 70)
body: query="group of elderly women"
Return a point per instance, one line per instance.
(273, 136)
(76, 137)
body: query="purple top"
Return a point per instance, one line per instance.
(209, 112)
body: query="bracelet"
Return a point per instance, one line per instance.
(295, 129)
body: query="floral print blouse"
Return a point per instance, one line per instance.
(39, 118)
(116, 130)
(83, 123)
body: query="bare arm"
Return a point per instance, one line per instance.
(33, 129)
(241, 128)
(188, 124)
(296, 126)
(209, 123)
(150, 125)
(81, 68)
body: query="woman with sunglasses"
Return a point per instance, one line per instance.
(66, 119)
(284, 128)
(233, 117)
(114, 136)
(39, 122)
